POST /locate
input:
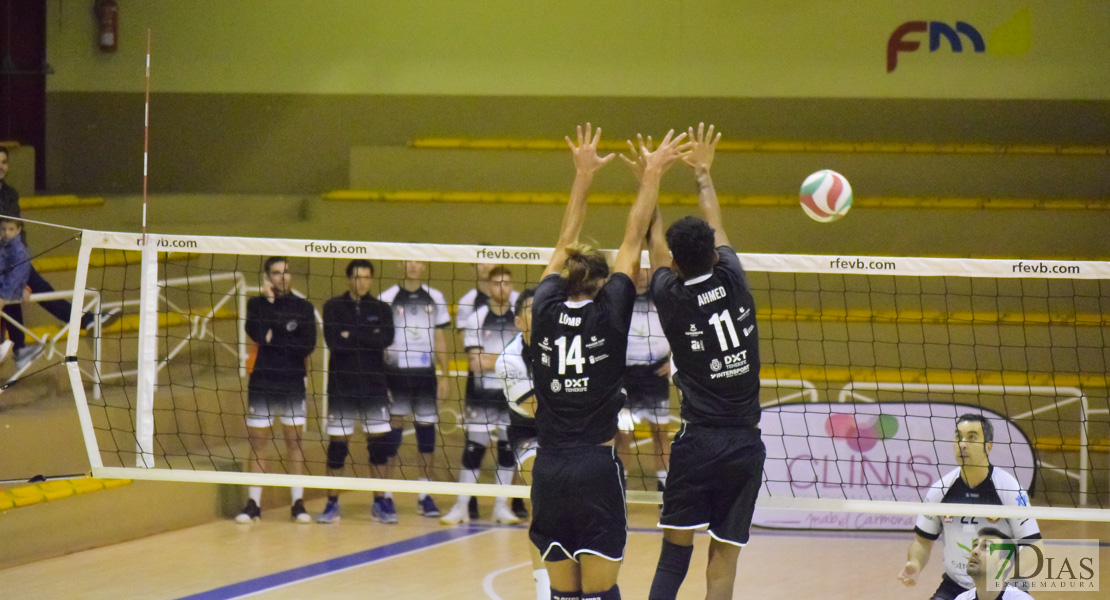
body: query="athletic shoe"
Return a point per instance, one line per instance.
(330, 514)
(472, 507)
(427, 507)
(383, 511)
(458, 514)
(24, 355)
(519, 509)
(106, 319)
(502, 514)
(5, 348)
(250, 513)
(299, 514)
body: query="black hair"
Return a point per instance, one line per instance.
(273, 260)
(988, 429)
(359, 263)
(691, 241)
(992, 532)
(524, 296)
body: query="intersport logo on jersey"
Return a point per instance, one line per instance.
(873, 451)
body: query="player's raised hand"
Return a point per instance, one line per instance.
(703, 145)
(638, 161)
(909, 573)
(660, 159)
(586, 159)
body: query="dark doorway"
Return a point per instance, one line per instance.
(23, 70)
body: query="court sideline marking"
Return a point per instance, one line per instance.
(487, 582)
(339, 564)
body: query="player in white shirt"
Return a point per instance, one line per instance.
(514, 367)
(975, 481)
(421, 320)
(982, 564)
(647, 381)
(468, 303)
(487, 331)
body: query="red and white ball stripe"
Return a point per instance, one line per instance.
(825, 196)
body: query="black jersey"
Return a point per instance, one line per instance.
(578, 363)
(710, 324)
(357, 363)
(280, 364)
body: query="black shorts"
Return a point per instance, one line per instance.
(414, 392)
(713, 481)
(578, 503)
(346, 413)
(948, 589)
(646, 388)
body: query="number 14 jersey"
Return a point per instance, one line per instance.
(579, 351)
(710, 324)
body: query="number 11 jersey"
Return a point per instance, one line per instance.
(710, 324)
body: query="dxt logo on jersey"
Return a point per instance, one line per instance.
(1012, 37)
(861, 437)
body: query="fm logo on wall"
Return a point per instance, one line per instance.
(1012, 37)
(876, 451)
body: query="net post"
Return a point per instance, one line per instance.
(147, 355)
(72, 368)
(241, 322)
(1084, 458)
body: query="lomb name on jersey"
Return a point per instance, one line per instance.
(712, 295)
(568, 320)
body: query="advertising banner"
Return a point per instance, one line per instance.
(876, 451)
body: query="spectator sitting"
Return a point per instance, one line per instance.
(15, 268)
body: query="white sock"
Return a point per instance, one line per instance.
(543, 584)
(661, 474)
(297, 493)
(255, 493)
(501, 502)
(387, 495)
(422, 495)
(505, 475)
(466, 476)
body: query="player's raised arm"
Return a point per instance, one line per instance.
(658, 254)
(703, 145)
(649, 166)
(586, 163)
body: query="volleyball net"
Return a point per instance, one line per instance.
(866, 363)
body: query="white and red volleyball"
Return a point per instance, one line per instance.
(825, 196)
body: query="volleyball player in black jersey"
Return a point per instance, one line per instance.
(580, 327)
(717, 457)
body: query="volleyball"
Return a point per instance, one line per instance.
(826, 196)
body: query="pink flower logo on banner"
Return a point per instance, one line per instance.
(860, 435)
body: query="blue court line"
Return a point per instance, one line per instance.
(259, 584)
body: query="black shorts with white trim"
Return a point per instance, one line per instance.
(578, 503)
(714, 480)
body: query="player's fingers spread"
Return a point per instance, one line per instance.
(570, 143)
(667, 138)
(701, 131)
(597, 136)
(608, 158)
(716, 139)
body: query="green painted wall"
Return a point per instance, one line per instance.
(1034, 49)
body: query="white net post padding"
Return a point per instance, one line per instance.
(816, 390)
(148, 355)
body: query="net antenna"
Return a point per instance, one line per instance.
(146, 133)
(148, 313)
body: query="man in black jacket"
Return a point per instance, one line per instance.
(283, 326)
(357, 329)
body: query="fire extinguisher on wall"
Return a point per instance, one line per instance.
(107, 15)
